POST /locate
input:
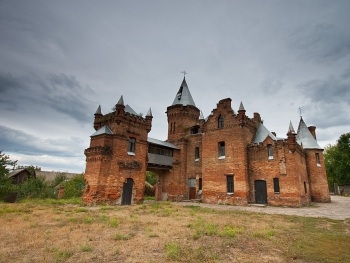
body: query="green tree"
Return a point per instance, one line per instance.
(151, 178)
(36, 188)
(337, 160)
(74, 187)
(6, 185)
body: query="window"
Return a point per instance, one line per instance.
(276, 185)
(305, 188)
(221, 122)
(196, 153)
(317, 156)
(229, 184)
(221, 150)
(270, 151)
(195, 130)
(131, 146)
(200, 184)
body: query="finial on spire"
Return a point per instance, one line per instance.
(300, 108)
(184, 72)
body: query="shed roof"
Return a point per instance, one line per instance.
(161, 143)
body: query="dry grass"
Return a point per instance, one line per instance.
(164, 232)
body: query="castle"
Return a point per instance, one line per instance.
(226, 158)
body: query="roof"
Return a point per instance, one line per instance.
(161, 143)
(130, 110)
(183, 96)
(262, 133)
(305, 138)
(17, 171)
(104, 130)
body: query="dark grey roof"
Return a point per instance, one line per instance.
(305, 138)
(262, 133)
(162, 143)
(183, 96)
(104, 130)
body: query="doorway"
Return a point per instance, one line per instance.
(260, 192)
(127, 192)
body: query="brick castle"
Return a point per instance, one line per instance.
(226, 158)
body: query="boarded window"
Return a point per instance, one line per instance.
(276, 185)
(229, 183)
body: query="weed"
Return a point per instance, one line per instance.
(114, 222)
(63, 255)
(230, 231)
(121, 237)
(86, 248)
(173, 251)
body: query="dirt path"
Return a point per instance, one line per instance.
(338, 209)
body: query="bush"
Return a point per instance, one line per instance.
(74, 187)
(36, 188)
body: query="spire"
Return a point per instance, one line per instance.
(183, 96)
(149, 113)
(121, 101)
(98, 111)
(201, 116)
(291, 128)
(241, 107)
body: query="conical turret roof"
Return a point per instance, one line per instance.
(183, 96)
(305, 138)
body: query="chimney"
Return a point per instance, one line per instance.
(312, 129)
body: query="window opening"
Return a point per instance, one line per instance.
(221, 122)
(196, 153)
(131, 145)
(229, 184)
(270, 151)
(317, 156)
(221, 149)
(276, 185)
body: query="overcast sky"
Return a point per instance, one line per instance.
(59, 60)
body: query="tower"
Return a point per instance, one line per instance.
(182, 114)
(116, 160)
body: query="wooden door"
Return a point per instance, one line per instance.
(127, 192)
(260, 192)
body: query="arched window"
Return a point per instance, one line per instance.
(221, 122)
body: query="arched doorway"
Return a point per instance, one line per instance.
(260, 192)
(127, 192)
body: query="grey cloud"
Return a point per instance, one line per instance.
(61, 92)
(331, 90)
(320, 42)
(12, 140)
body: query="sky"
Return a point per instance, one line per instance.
(60, 60)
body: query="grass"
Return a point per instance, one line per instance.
(50, 231)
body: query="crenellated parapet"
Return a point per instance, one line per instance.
(98, 150)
